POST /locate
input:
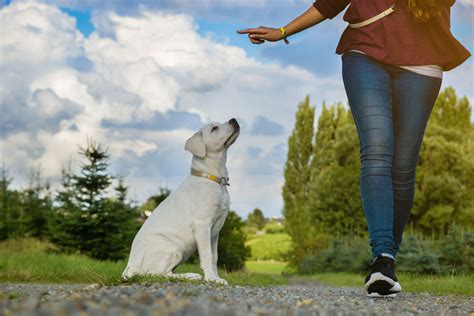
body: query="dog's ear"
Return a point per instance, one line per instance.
(195, 145)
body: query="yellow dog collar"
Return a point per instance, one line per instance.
(221, 180)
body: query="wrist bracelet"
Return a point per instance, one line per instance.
(283, 33)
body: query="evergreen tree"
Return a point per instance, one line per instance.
(88, 220)
(116, 227)
(37, 206)
(297, 175)
(256, 219)
(9, 203)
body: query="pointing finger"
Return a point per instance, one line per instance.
(253, 31)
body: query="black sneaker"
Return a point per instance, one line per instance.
(381, 281)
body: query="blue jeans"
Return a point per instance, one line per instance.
(391, 107)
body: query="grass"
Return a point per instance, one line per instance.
(265, 267)
(434, 284)
(31, 261)
(269, 246)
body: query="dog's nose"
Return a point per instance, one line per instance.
(234, 122)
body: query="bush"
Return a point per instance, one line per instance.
(232, 251)
(417, 256)
(457, 251)
(452, 254)
(341, 256)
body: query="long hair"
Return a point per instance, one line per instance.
(424, 10)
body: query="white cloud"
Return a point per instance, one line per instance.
(139, 68)
(28, 29)
(467, 2)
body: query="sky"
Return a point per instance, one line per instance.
(142, 76)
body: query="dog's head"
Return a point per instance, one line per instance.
(213, 138)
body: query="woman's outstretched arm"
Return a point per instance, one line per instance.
(261, 34)
(319, 11)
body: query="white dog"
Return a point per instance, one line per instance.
(192, 216)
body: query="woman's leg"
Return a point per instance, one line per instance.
(369, 89)
(413, 98)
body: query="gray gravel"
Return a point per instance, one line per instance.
(208, 299)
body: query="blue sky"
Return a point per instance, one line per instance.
(307, 49)
(143, 76)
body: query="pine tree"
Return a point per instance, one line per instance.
(88, 220)
(297, 175)
(6, 205)
(37, 205)
(13, 221)
(117, 225)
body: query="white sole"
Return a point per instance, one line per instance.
(377, 295)
(396, 287)
(380, 277)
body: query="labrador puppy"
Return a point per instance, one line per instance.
(192, 216)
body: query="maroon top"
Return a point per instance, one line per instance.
(397, 39)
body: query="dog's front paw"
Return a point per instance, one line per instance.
(216, 280)
(192, 276)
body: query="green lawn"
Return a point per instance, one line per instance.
(269, 246)
(265, 267)
(438, 285)
(29, 261)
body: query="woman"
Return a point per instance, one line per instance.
(393, 57)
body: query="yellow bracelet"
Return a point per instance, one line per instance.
(283, 33)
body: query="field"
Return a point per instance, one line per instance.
(29, 261)
(434, 284)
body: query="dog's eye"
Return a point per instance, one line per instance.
(214, 128)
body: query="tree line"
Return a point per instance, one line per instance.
(90, 213)
(321, 191)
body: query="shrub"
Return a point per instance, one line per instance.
(232, 251)
(456, 251)
(417, 256)
(341, 255)
(452, 254)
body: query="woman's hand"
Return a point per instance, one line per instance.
(261, 34)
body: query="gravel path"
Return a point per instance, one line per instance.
(207, 299)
